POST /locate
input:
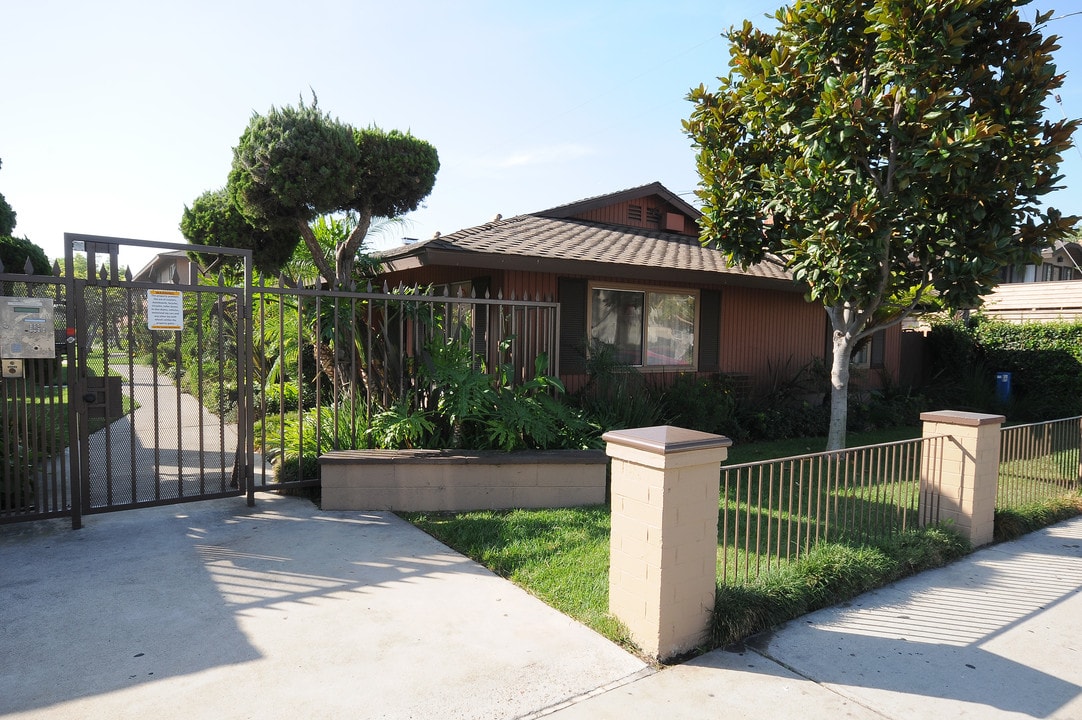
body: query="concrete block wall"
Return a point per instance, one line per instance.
(663, 543)
(441, 480)
(964, 478)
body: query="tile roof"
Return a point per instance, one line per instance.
(634, 193)
(552, 241)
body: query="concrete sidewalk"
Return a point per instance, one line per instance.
(995, 635)
(217, 610)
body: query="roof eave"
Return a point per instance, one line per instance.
(589, 268)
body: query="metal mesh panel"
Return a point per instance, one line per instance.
(158, 433)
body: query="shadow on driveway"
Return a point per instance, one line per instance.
(282, 610)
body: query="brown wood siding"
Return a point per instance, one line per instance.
(528, 285)
(892, 354)
(761, 330)
(621, 214)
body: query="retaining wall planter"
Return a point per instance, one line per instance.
(455, 480)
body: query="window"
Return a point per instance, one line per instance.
(870, 352)
(647, 328)
(862, 356)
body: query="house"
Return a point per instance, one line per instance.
(1059, 263)
(165, 268)
(1046, 292)
(627, 269)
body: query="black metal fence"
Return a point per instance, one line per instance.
(34, 415)
(774, 511)
(256, 379)
(325, 361)
(1039, 461)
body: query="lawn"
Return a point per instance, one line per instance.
(562, 555)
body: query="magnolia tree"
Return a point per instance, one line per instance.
(883, 150)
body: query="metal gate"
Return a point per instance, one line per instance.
(148, 400)
(162, 372)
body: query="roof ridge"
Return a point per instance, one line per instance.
(654, 188)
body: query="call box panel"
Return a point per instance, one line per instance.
(26, 328)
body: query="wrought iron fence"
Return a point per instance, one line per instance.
(35, 416)
(772, 512)
(1039, 461)
(325, 361)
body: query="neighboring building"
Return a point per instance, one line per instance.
(1060, 263)
(163, 266)
(1047, 292)
(628, 269)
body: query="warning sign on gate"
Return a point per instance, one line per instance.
(165, 310)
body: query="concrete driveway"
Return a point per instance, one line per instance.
(217, 610)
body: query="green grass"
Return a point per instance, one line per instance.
(754, 452)
(562, 555)
(1013, 523)
(827, 575)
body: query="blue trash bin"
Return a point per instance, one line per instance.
(1003, 386)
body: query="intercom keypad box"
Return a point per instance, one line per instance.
(26, 328)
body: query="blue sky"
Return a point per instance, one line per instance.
(114, 115)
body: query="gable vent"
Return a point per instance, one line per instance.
(634, 213)
(674, 222)
(653, 216)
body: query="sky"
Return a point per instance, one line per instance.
(115, 115)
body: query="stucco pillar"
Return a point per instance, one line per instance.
(964, 477)
(664, 542)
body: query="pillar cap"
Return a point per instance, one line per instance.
(666, 439)
(960, 417)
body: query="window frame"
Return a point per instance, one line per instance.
(646, 290)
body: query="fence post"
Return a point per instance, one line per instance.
(1079, 446)
(664, 541)
(968, 471)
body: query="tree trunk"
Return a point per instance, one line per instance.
(839, 390)
(345, 256)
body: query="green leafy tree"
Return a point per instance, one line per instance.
(297, 163)
(7, 216)
(103, 307)
(882, 150)
(14, 252)
(214, 220)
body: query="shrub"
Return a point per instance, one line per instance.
(889, 406)
(828, 574)
(319, 430)
(469, 408)
(710, 404)
(616, 396)
(1013, 523)
(1045, 360)
(461, 407)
